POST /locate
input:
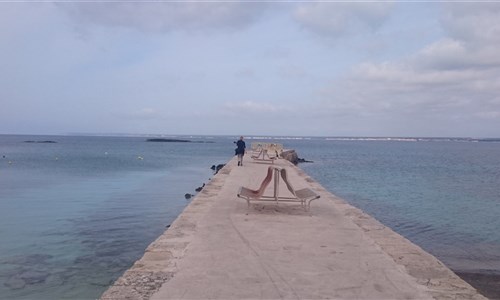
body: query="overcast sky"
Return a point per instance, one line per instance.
(251, 68)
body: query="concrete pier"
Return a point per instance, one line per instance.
(216, 249)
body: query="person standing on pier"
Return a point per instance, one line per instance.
(240, 150)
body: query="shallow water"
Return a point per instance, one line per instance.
(75, 214)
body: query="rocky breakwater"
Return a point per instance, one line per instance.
(292, 157)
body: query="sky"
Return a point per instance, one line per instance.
(299, 68)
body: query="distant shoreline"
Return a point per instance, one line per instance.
(161, 140)
(182, 137)
(168, 140)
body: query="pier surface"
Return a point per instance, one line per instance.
(217, 249)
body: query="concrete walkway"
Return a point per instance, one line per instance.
(215, 250)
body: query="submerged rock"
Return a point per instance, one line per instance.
(31, 259)
(15, 283)
(33, 276)
(85, 259)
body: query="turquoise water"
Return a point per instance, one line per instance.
(75, 214)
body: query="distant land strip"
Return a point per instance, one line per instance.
(175, 141)
(43, 142)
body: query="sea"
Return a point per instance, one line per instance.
(77, 211)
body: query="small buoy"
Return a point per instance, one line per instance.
(10, 162)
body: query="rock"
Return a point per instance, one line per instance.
(188, 196)
(301, 160)
(291, 156)
(217, 168)
(198, 189)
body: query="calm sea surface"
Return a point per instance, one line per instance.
(75, 214)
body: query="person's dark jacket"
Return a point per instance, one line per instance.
(241, 147)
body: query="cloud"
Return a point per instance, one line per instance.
(410, 76)
(454, 54)
(251, 107)
(401, 88)
(292, 72)
(142, 114)
(245, 73)
(473, 38)
(167, 16)
(338, 19)
(472, 22)
(452, 79)
(277, 52)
